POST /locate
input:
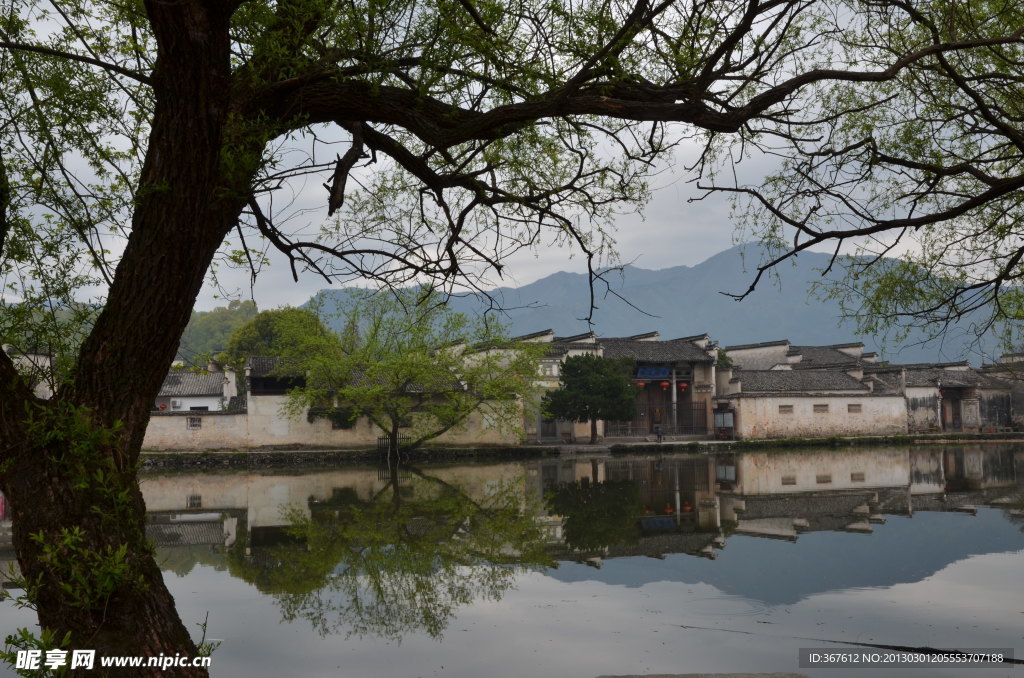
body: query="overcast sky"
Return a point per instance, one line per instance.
(671, 232)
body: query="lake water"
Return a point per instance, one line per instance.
(579, 567)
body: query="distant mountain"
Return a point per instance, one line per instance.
(690, 300)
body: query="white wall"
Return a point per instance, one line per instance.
(265, 424)
(759, 417)
(923, 408)
(781, 473)
(263, 494)
(759, 357)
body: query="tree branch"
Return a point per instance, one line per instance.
(81, 58)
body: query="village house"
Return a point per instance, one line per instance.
(776, 389)
(252, 413)
(188, 390)
(675, 381)
(1009, 370)
(759, 391)
(947, 396)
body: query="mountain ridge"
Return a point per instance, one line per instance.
(682, 301)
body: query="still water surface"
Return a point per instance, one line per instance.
(582, 567)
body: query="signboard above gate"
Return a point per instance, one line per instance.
(653, 372)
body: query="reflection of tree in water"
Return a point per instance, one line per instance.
(597, 515)
(403, 561)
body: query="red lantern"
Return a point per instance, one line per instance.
(641, 384)
(665, 385)
(683, 386)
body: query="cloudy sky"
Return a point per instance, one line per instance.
(670, 232)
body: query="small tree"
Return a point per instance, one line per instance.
(592, 388)
(412, 365)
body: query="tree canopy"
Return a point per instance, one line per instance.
(926, 166)
(276, 333)
(592, 388)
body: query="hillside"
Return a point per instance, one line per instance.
(690, 300)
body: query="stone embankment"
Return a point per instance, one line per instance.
(295, 458)
(304, 457)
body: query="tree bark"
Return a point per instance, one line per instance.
(70, 463)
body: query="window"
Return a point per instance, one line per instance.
(857, 477)
(195, 423)
(853, 408)
(194, 501)
(723, 420)
(785, 409)
(204, 408)
(823, 478)
(821, 409)
(789, 480)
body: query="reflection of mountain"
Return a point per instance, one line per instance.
(782, 572)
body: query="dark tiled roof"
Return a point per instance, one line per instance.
(645, 336)
(803, 505)
(533, 335)
(933, 375)
(659, 544)
(238, 403)
(763, 344)
(575, 338)
(695, 337)
(260, 366)
(819, 356)
(186, 533)
(675, 351)
(800, 381)
(557, 350)
(189, 383)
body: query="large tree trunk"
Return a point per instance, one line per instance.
(70, 462)
(80, 537)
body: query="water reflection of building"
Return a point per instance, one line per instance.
(673, 508)
(193, 509)
(692, 504)
(681, 504)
